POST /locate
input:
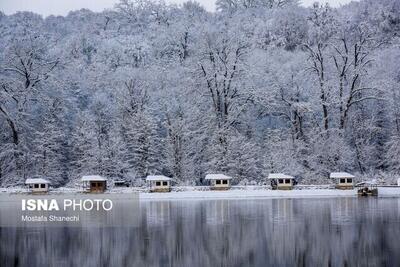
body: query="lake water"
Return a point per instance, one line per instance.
(262, 232)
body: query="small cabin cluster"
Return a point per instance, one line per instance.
(219, 181)
(90, 184)
(94, 183)
(281, 181)
(343, 180)
(161, 183)
(37, 185)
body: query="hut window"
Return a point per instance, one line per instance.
(349, 180)
(342, 181)
(287, 181)
(217, 181)
(280, 181)
(42, 186)
(165, 183)
(36, 186)
(224, 181)
(158, 183)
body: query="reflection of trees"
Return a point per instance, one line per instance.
(312, 232)
(157, 213)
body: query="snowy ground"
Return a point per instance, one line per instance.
(259, 192)
(239, 192)
(389, 191)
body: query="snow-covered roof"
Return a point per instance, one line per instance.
(88, 178)
(157, 178)
(36, 181)
(217, 176)
(335, 175)
(372, 182)
(279, 176)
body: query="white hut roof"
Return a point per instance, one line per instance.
(336, 175)
(217, 176)
(157, 178)
(36, 181)
(279, 176)
(372, 182)
(88, 178)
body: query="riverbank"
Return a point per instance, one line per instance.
(182, 193)
(244, 194)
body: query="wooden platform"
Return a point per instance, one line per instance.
(284, 187)
(220, 188)
(160, 190)
(344, 187)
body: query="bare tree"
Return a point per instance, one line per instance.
(322, 28)
(351, 57)
(25, 67)
(221, 65)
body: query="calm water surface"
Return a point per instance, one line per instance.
(274, 232)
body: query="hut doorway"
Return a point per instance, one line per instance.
(98, 186)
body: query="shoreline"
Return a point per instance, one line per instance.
(248, 194)
(244, 193)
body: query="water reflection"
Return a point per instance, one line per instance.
(277, 232)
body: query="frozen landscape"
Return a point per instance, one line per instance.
(266, 133)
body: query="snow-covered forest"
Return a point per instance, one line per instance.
(258, 86)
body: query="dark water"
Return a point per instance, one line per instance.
(277, 232)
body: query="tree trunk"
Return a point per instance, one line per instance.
(13, 127)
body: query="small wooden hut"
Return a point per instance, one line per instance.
(37, 185)
(281, 181)
(343, 180)
(219, 181)
(159, 183)
(94, 183)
